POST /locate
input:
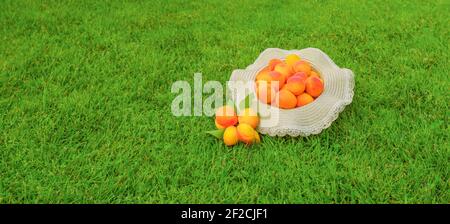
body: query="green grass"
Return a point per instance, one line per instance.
(85, 102)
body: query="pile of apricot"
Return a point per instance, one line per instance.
(288, 84)
(237, 127)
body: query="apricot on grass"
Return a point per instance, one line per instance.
(314, 86)
(257, 138)
(230, 136)
(218, 126)
(245, 133)
(304, 99)
(285, 99)
(292, 59)
(248, 116)
(296, 85)
(226, 116)
(302, 66)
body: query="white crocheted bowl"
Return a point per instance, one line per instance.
(308, 119)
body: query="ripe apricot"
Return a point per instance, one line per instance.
(303, 76)
(263, 74)
(276, 76)
(257, 138)
(314, 86)
(285, 99)
(246, 133)
(296, 85)
(226, 116)
(302, 66)
(248, 116)
(230, 136)
(284, 69)
(265, 92)
(292, 59)
(316, 74)
(218, 126)
(304, 99)
(273, 63)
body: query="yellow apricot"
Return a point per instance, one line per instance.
(292, 59)
(257, 138)
(246, 133)
(230, 136)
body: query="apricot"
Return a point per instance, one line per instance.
(226, 116)
(284, 69)
(248, 116)
(302, 66)
(265, 92)
(218, 126)
(315, 74)
(246, 133)
(257, 138)
(276, 76)
(273, 63)
(295, 84)
(285, 99)
(304, 99)
(303, 76)
(292, 59)
(263, 74)
(230, 136)
(314, 86)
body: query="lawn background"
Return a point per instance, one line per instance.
(85, 102)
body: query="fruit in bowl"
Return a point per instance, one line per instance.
(315, 90)
(288, 84)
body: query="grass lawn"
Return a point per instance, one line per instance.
(85, 102)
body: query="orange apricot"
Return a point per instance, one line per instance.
(302, 66)
(263, 74)
(248, 116)
(285, 99)
(296, 85)
(265, 92)
(246, 133)
(304, 99)
(314, 86)
(284, 69)
(303, 76)
(230, 136)
(278, 77)
(273, 63)
(315, 74)
(226, 116)
(218, 126)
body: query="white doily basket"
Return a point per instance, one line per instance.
(314, 117)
